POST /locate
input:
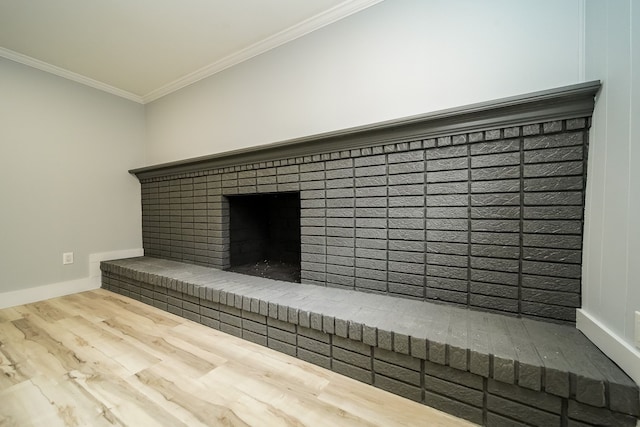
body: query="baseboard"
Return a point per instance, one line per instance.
(618, 350)
(53, 290)
(40, 293)
(96, 259)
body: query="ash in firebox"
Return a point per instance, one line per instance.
(276, 270)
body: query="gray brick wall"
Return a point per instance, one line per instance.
(488, 219)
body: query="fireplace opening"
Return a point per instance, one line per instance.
(265, 235)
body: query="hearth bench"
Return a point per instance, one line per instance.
(489, 368)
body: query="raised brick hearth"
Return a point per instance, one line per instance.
(488, 368)
(479, 207)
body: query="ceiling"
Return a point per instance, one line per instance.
(145, 49)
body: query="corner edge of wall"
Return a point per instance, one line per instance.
(615, 347)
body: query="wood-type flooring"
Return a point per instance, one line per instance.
(101, 359)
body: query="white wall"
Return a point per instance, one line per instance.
(397, 58)
(611, 261)
(64, 154)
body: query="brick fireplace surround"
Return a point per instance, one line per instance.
(479, 208)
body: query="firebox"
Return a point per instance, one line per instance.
(265, 235)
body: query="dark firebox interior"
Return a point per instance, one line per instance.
(265, 235)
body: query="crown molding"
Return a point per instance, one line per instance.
(574, 101)
(316, 22)
(336, 13)
(70, 75)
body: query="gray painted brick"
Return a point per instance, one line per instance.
(254, 337)
(532, 398)
(554, 184)
(316, 321)
(398, 387)
(455, 391)
(341, 328)
(598, 416)
(553, 169)
(495, 420)
(501, 186)
(396, 372)
(315, 358)
(360, 374)
(550, 247)
(370, 160)
(352, 358)
(369, 335)
(405, 168)
(385, 340)
(521, 412)
(231, 330)
(454, 407)
(551, 141)
(281, 347)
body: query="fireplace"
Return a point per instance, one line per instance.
(264, 235)
(480, 206)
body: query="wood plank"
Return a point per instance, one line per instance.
(101, 359)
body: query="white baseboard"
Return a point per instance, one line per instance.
(40, 293)
(622, 353)
(53, 290)
(95, 259)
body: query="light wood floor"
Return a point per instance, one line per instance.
(97, 358)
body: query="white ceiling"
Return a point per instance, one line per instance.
(145, 49)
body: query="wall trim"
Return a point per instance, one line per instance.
(615, 347)
(323, 19)
(95, 274)
(40, 293)
(568, 102)
(54, 290)
(69, 75)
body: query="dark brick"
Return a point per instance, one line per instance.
(315, 358)
(454, 391)
(495, 147)
(501, 186)
(598, 416)
(360, 374)
(551, 269)
(396, 372)
(553, 226)
(512, 252)
(553, 212)
(521, 412)
(549, 311)
(398, 387)
(495, 264)
(554, 198)
(405, 168)
(553, 169)
(495, 173)
(554, 184)
(370, 161)
(532, 398)
(448, 175)
(447, 164)
(453, 407)
(576, 124)
(495, 420)
(503, 159)
(282, 347)
(494, 277)
(495, 303)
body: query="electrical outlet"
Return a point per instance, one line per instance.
(67, 258)
(638, 329)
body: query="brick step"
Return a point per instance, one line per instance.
(488, 368)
